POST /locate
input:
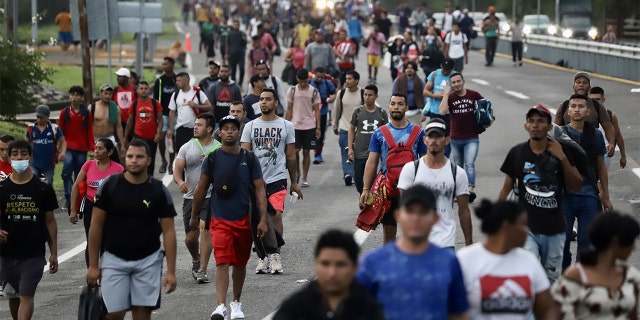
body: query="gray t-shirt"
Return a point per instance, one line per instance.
(366, 123)
(321, 56)
(269, 140)
(193, 156)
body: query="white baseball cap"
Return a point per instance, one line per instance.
(123, 72)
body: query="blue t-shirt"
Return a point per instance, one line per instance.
(425, 286)
(354, 28)
(379, 145)
(439, 80)
(325, 88)
(590, 182)
(43, 146)
(236, 207)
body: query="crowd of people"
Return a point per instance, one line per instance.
(235, 151)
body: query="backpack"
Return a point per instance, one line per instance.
(565, 105)
(398, 155)
(484, 115)
(454, 171)
(279, 107)
(84, 111)
(154, 103)
(54, 128)
(175, 100)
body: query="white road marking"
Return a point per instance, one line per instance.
(68, 255)
(517, 95)
(361, 236)
(189, 62)
(480, 82)
(166, 180)
(635, 90)
(178, 27)
(270, 316)
(636, 171)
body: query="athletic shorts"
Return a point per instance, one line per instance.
(305, 139)
(276, 196)
(231, 241)
(131, 283)
(22, 275)
(165, 123)
(389, 218)
(373, 60)
(65, 36)
(204, 215)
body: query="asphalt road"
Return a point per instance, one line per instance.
(329, 203)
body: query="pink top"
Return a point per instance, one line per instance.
(267, 41)
(373, 46)
(95, 176)
(303, 116)
(297, 57)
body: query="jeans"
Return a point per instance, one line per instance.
(581, 207)
(458, 64)
(516, 51)
(73, 161)
(491, 43)
(347, 168)
(464, 153)
(547, 248)
(358, 173)
(48, 174)
(237, 61)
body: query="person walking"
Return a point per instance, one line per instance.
(223, 93)
(236, 46)
(349, 99)
(327, 91)
(145, 121)
(5, 158)
(124, 95)
(106, 119)
(163, 89)
(48, 144)
(434, 92)
(125, 258)
(411, 85)
(456, 47)
(490, 28)
(374, 41)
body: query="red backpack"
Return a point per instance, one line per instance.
(398, 156)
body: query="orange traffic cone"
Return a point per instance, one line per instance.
(187, 42)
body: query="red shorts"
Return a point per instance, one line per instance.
(231, 241)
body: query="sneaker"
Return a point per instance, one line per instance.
(472, 196)
(202, 277)
(170, 169)
(276, 264)
(348, 180)
(263, 266)
(163, 168)
(304, 184)
(195, 266)
(318, 159)
(236, 310)
(220, 313)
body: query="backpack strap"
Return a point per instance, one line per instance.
(314, 95)
(454, 172)
(388, 137)
(362, 97)
(293, 93)
(416, 164)
(415, 132)
(342, 92)
(93, 110)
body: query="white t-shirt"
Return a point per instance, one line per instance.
(447, 22)
(186, 115)
(440, 181)
(501, 286)
(456, 44)
(269, 140)
(254, 25)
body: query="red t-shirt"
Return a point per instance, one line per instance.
(123, 97)
(5, 169)
(463, 120)
(78, 132)
(145, 125)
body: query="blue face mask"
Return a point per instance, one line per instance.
(20, 166)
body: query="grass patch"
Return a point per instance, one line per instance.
(45, 33)
(66, 76)
(18, 130)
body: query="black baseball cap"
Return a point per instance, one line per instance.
(418, 193)
(232, 119)
(214, 63)
(541, 110)
(447, 64)
(436, 125)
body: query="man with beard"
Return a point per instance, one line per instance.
(163, 89)
(106, 118)
(538, 171)
(131, 211)
(412, 86)
(124, 95)
(145, 121)
(320, 54)
(223, 93)
(403, 132)
(207, 83)
(273, 141)
(437, 172)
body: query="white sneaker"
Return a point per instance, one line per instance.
(263, 266)
(220, 313)
(236, 310)
(276, 264)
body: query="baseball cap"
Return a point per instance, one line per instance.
(418, 193)
(255, 78)
(541, 110)
(214, 63)
(583, 75)
(302, 74)
(447, 64)
(106, 87)
(42, 111)
(465, 10)
(123, 72)
(319, 31)
(229, 119)
(436, 125)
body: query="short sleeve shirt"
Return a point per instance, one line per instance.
(44, 147)
(461, 109)
(439, 81)
(456, 44)
(124, 96)
(146, 125)
(303, 117)
(269, 140)
(186, 116)
(237, 207)
(194, 154)
(366, 123)
(379, 145)
(95, 176)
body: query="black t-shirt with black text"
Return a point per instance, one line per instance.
(23, 209)
(133, 211)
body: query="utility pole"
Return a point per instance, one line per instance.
(9, 32)
(84, 47)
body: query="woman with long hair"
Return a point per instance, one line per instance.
(93, 172)
(503, 280)
(295, 56)
(599, 286)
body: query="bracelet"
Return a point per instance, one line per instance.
(365, 189)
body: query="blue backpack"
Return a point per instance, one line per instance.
(483, 114)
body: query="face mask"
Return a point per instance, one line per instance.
(20, 166)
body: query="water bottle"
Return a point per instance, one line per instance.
(170, 145)
(43, 178)
(294, 197)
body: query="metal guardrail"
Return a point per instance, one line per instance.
(615, 60)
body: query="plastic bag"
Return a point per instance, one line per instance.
(91, 306)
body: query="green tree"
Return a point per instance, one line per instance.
(19, 70)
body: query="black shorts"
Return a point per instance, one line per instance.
(22, 275)
(389, 219)
(204, 215)
(276, 196)
(305, 139)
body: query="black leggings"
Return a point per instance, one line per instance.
(516, 50)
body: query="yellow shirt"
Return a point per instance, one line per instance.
(304, 32)
(63, 20)
(217, 11)
(202, 14)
